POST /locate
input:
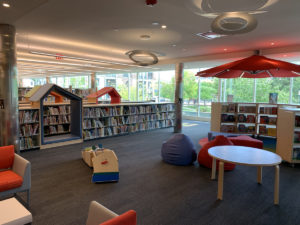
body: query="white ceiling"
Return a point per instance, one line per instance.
(104, 30)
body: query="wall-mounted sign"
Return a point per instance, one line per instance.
(58, 56)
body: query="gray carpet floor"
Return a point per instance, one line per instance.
(162, 194)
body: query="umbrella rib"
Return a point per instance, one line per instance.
(268, 72)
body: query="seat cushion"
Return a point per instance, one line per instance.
(205, 159)
(9, 180)
(127, 218)
(7, 154)
(246, 141)
(179, 150)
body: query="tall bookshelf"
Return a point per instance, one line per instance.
(29, 128)
(111, 120)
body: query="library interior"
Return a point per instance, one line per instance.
(150, 112)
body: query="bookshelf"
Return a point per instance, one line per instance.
(288, 134)
(246, 118)
(106, 120)
(29, 128)
(56, 120)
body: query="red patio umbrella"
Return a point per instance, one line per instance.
(255, 66)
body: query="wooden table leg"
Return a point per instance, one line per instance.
(276, 186)
(213, 169)
(259, 174)
(220, 180)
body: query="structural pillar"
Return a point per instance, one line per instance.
(47, 80)
(9, 119)
(93, 82)
(178, 97)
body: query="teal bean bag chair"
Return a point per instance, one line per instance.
(179, 150)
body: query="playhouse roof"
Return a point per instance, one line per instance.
(106, 90)
(45, 90)
(32, 91)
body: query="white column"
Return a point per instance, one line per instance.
(9, 122)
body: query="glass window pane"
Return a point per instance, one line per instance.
(264, 86)
(241, 89)
(167, 86)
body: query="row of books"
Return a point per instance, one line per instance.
(268, 110)
(59, 129)
(242, 128)
(269, 131)
(109, 131)
(96, 112)
(29, 130)
(247, 109)
(230, 108)
(56, 110)
(228, 118)
(61, 119)
(246, 118)
(28, 143)
(28, 116)
(268, 120)
(122, 120)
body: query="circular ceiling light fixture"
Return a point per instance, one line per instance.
(142, 57)
(233, 23)
(213, 8)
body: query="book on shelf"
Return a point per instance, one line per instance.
(262, 130)
(297, 137)
(296, 153)
(242, 118)
(273, 120)
(251, 129)
(242, 128)
(273, 98)
(297, 121)
(250, 119)
(264, 120)
(232, 107)
(271, 131)
(227, 118)
(242, 109)
(228, 128)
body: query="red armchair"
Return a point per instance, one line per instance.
(15, 173)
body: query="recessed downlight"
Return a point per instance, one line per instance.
(173, 45)
(5, 4)
(155, 23)
(145, 37)
(164, 26)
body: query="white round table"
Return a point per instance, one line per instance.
(244, 156)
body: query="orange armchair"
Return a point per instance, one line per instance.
(15, 173)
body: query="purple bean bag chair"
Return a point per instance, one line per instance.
(179, 150)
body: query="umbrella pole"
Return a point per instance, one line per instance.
(178, 97)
